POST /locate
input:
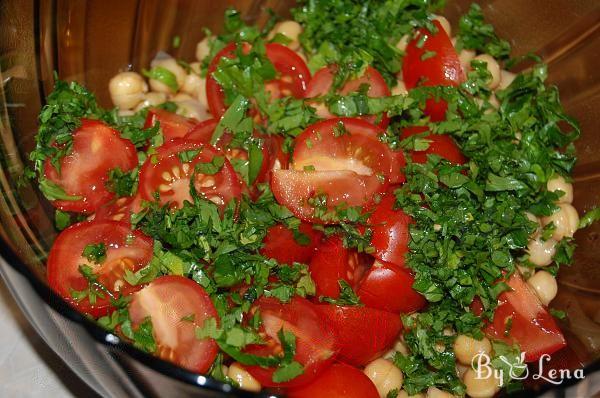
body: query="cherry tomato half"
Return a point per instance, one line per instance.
(315, 339)
(439, 144)
(125, 250)
(390, 228)
(176, 306)
(171, 124)
(281, 244)
(338, 381)
(97, 149)
(322, 81)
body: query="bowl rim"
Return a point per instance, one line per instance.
(112, 341)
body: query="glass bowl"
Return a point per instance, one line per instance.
(90, 41)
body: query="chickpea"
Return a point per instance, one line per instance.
(127, 89)
(480, 387)
(403, 43)
(400, 89)
(203, 49)
(404, 394)
(190, 107)
(172, 66)
(536, 220)
(559, 184)
(566, 221)
(290, 29)
(195, 85)
(541, 252)
(433, 392)
(465, 57)
(544, 285)
(492, 67)
(506, 78)
(400, 347)
(445, 24)
(152, 99)
(385, 375)
(466, 348)
(244, 379)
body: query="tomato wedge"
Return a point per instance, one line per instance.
(521, 318)
(125, 249)
(338, 381)
(278, 159)
(97, 149)
(321, 83)
(281, 244)
(346, 144)
(295, 189)
(439, 144)
(166, 174)
(390, 231)
(120, 209)
(363, 334)
(176, 306)
(332, 263)
(388, 287)
(315, 339)
(292, 81)
(432, 62)
(171, 124)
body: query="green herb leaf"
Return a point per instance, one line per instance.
(163, 75)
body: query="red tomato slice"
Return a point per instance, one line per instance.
(315, 339)
(441, 145)
(119, 210)
(390, 231)
(203, 131)
(321, 83)
(176, 306)
(97, 149)
(338, 381)
(293, 79)
(346, 144)
(334, 262)
(528, 323)
(294, 189)
(125, 249)
(277, 158)
(281, 245)
(363, 334)
(172, 125)
(166, 174)
(388, 287)
(441, 69)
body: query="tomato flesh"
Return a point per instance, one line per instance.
(125, 250)
(120, 209)
(439, 144)
(442, 69)
(97, 149)
(166, 174)
(292, 81)
(315, 339)
(338, 381)
(281, 244)
(171, 124)
(528, 323)
(332, 263)
(390, 228)
(176, 306)
(388, 287)
(322, 81)
(363, 334)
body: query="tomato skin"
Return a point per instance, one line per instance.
(277, 158)
(338, 381)
(532, 327)
(169, 299)
(441, 144)
(285, 61)
(390, 228)
(202, 131)
(225, 183)
(331, 263)
(363, 334)
(321, 83)
(66, 256)
(172, 125)
(294, 188)
(443, 69)
(388, 287)
(97, 149)
(316, 345)
(281, 245)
